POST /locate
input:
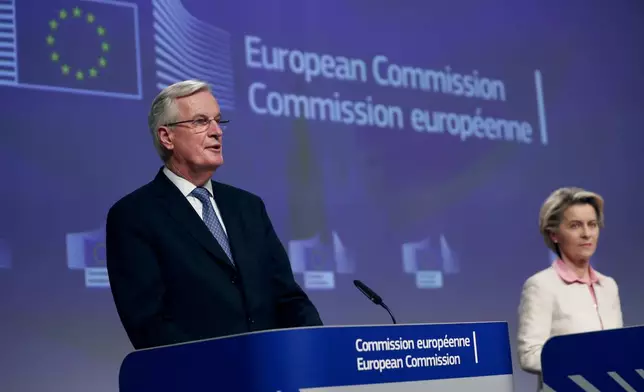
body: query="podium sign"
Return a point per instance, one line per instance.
(443, 357)
(609, 360)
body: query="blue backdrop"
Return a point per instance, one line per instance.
(408, 144)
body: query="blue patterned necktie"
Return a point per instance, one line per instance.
(211, 220)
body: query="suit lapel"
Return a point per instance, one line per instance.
(180, 209)
(231, 215)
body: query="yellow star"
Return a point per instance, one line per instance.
(93, 72)
(50, 40)
(77, 12)
(102, 62)
(65, 69)
(105, 46)
(79, 75)
(90, 18)
(62, 14)
(55, 56)
(100, 30)
(53, 24)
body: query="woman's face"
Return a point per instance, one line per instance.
(578, 233)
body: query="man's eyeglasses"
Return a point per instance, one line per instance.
(200, 124)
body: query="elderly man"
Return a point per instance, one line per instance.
(190, 258)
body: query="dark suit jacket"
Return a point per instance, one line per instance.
(171, 280)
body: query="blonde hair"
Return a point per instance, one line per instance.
(557, 203)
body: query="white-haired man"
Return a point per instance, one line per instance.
(190, 258)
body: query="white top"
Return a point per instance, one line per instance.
(551, 305)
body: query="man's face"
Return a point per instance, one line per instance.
(195, 146)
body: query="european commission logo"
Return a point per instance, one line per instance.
(72, 46)
(319, 262)
(5, 255)
(429, 262)
(86, 252)
(186, 48)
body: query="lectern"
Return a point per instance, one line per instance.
(609, 360)
(412, 357)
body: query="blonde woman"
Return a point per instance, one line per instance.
(569, 296)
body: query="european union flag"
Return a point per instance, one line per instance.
(86, 249)
(78, 46)
(95, 255)
(310, 254)
(420, 256)
(319, 258)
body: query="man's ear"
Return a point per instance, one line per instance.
(166, 138)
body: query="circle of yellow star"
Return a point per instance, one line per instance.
(77, 12)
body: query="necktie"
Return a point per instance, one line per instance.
(210, 219)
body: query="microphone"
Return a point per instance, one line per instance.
(373, 297)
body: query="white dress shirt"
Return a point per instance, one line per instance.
(186, 187)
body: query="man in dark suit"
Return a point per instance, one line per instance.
(190, 258)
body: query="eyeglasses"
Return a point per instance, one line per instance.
(201, 124)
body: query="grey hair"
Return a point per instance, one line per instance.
(557, 203)
(164, 109)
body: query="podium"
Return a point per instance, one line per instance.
(608, 360)
(412, 357)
